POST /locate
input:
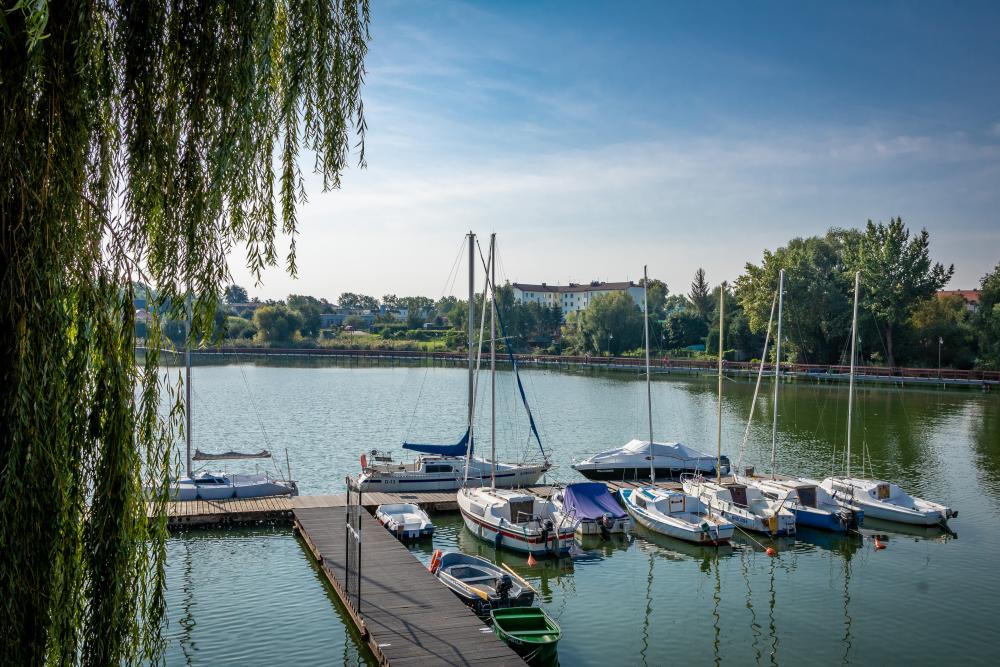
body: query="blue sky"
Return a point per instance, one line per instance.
(598, 137)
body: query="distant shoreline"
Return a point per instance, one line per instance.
(926, 377)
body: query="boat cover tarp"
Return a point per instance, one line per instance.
(205, 456)
(590, 500)
(639, 449)
(458, 449)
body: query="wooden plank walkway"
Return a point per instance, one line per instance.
(407, 617)
(255, 510)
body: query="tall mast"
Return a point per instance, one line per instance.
(493, 361)
(850, 386)
(187, 388)
(718, 435)
(472, 306)
(649, 395)
(777, 370)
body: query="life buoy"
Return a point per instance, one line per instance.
(364, 461)
(435, 561)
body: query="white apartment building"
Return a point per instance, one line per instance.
(572, 297)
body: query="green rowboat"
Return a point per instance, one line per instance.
(529, 631)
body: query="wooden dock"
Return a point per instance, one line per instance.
(407, 617)
(255, 510)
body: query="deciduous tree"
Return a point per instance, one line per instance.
(896, 274)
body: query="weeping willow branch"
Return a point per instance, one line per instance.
(137, 140)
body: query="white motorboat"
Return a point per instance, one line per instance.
(591, 508)
(405, 520)
(451, 466)
(678, 515)
(630, 462)
(812, 505)
(884, 500)
(877, 498)
(516, 520)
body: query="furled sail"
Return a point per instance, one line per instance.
(202, 456)
(458, 449)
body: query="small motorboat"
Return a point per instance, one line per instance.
(677, 515)
(480, 584)
(530, 632)
(592, 508)
(405, 520)
(883, 500)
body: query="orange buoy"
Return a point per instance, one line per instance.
(771, 551)
(878, 544)
(435, 561)
(531, 559)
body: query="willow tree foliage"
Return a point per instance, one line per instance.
(139, 141)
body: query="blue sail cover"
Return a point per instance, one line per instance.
(458, 449)
(590, 500)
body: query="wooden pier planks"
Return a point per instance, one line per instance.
(252, 510)
(407, 617)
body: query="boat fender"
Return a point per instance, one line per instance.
(364, 461)
(435, 561)
(772, 523)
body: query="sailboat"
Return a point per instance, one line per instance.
(636, 458)
(812, 505)
(446, 467)
(508, 518)
(740, 503)
(878, 498)
(206, 485)
(671, 513)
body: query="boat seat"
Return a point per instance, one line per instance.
(473, 580)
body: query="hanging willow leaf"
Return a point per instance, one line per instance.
(138, 144)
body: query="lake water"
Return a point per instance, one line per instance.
(251, 596)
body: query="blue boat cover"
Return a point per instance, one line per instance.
(458, 449)
(590, 500)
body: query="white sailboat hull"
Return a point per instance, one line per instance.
(883, 500)
(682, 525)
(772, 519)
(483, 514)
(392, 479)
(224, 487)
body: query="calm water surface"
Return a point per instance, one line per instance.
(251, 596)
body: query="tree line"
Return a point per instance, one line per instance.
(903, 320)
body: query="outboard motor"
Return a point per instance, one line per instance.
(604, 523)
(546, 529)
(504, 584)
